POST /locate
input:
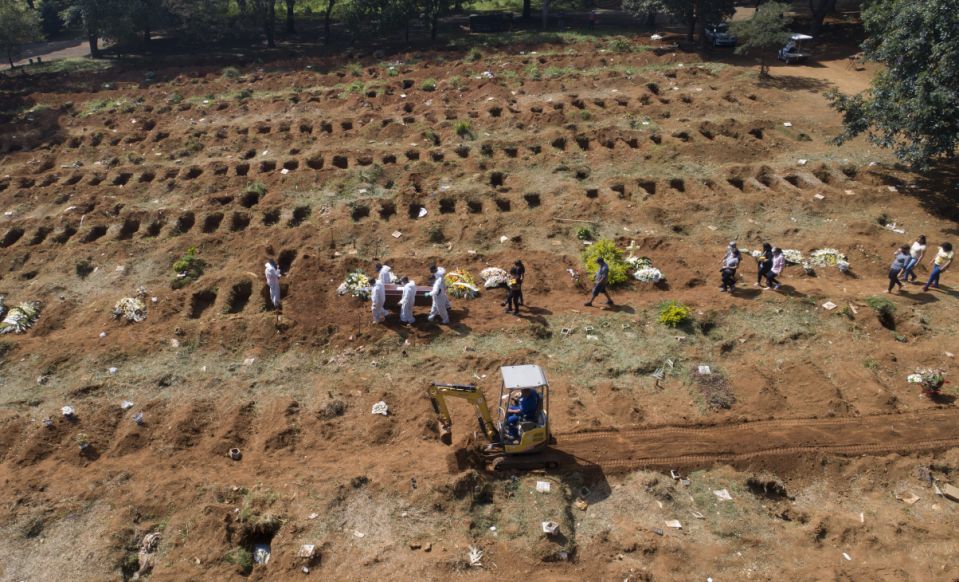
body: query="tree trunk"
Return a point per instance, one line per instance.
(650, 19)
(701, 23)
(527, 9)
(690, 26)
(241, 4)
(290, 26)
(326, 21)
(819, 9)
(545, 14)
(434, 25)
(269, 23)
(94, 49)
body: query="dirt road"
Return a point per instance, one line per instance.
(684, 446)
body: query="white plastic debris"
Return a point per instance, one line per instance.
(307, 551)
(787, 124)
(313, 516)
(722, 494)
(103, 334)
(381, 408)
(423, 212)
(705, 370)
(67, 411)
(550, 527)
(801, 162)
(819, 196)
(358, 534)
(138, 418)
(397, 234)
(542, 486)
(503, 239)
(112, 369)
(674, 523)
(829, 306)
(847, 557)
(249, 361)
(261, 554)
(126, 405)
(475, 556)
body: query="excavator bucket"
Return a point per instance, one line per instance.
(446, 435)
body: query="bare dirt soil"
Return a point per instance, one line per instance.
(107, 178)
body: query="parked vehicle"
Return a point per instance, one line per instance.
(793, 52)
(718, 34)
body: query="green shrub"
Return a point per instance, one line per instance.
(244, 94)
(464, 129)
(620, 45)
(473, 55)
(607, 249)
(432, 137)
(84, 268)
(257, 188)
(190, 266)
(456, 82)
(584, 233)
(242, 558)
(532, 72)
(231, 72)
(885, 310)
(355, 69)
(673, 313)
(429, 85)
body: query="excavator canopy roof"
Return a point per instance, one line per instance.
(528, 376)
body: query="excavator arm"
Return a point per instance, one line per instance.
(438, 395)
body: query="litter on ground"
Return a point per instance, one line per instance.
(722, 494)
(381, 408)
(550, 527)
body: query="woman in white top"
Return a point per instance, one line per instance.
(916, 252)
(939, 265)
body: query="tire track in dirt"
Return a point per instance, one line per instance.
(679, 446)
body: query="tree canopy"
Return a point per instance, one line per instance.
(913, 105)
(19, 24)
(766, 30)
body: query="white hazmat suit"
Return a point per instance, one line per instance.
(386, 275)
(407, 302)
(273, 280)
(378, 297)
(441, 301)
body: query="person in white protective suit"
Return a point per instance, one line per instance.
(407, 301)
(384, 273)
(378, 298)
(441, 301)
(272, 273)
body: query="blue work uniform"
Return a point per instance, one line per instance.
(527, 409)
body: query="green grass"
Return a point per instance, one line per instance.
(67, 66)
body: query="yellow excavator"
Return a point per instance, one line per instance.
(520, 434)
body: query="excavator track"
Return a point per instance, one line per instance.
(675, 446)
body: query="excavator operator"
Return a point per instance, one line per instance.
(525, 409)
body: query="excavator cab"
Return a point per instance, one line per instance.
(523, 435)
(520, 436)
